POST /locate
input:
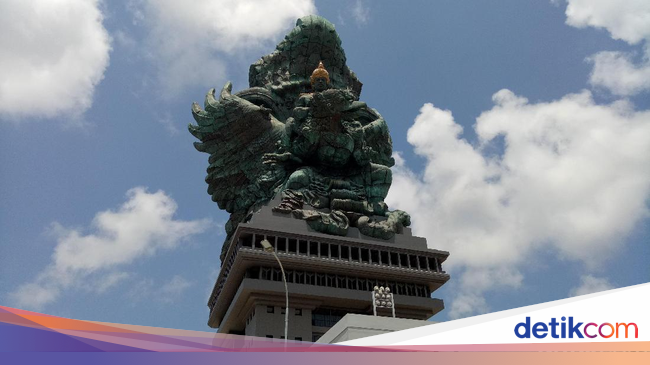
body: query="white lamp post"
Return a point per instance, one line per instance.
(268, 248)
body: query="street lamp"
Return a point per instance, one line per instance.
(268, 248)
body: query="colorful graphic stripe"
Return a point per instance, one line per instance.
(23, 331)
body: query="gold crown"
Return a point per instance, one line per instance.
(320, 71)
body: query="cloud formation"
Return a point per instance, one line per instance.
(617, 72)
(168, 292)
(623, 19)
(142, 226)
(626, 20)
(360, 12)
(563, 183)
(189, 40)
(54, 53)
(591, 284)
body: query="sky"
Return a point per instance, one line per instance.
(521, 131)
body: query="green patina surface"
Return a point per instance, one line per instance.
(307, 138)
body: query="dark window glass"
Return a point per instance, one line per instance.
(331, 281)
(282, 244)
(271, 240)
(270, 309)
(292, 246)
(320, 280)
(374, 256)
(335, 251)
(413, 260)
(302, 248)
(423, 262)
(432, 264)
(258, 241)
(355, 253)
(324, 249)
(365, 255)
(404, 260)
(266, 273)
(326, 317)
(345, 252)
(394, 259)
(384, 257)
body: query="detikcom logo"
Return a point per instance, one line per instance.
(590, 330)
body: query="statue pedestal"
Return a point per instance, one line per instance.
(328, 277)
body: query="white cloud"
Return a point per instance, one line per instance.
(167, 122)
(590, 284)
(616, 72)
(360, 12)
(468, 304)
(627, 20)
(174, 288)
(475, 281)
(573, 177)
(54, 53)
(33, 295)
(189, 40)
(143, 225)
(105, 282)
(124, 39)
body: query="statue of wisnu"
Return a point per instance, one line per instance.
(300, 131)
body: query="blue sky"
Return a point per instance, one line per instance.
(522, 130)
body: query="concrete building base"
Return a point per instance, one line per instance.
(354, 326)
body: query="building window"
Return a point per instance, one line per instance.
(299, 312)
(345, 252)
(374, 256)
(298, 338)
(326, 317)
(331, 281)
(266, 273)
(277, 275)
(355, 254)
(283, 310)
(269, 336)
(270, 309)
(316, 336)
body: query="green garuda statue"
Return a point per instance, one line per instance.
(299, 131)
